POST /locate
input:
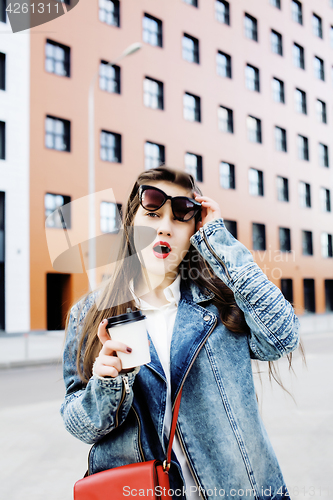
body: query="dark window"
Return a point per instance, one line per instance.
(298, 56)
(2, 71)
(2, 260)
(153, 93)
(319, 68)
(110, 147)
(300, 101)
(254, 129)
(309, 295)
(110, 216)
(323, 155)
(307, 248)
(325, 199)
(154, 155)
(223, 64)
(109, 77)
(303, 147)
(190, 47)
(225, 120)
(317, 26)
(227, 175)
(192, 2)
(304, 194)
(280, 139)
(276, 43)
(331, 36)
(321, 111)
(329, 295)
(57, 58)
(152, 30)
(296, 11)
(3, 11)
(251, 27)
(278, 90)
(191, 107)
(256, 182)
(222, 11)
(109, 12)
(275, 3)
(2, 140)
(326, 245)
(287, 289)
(57, 211)
(284, 238)
(252, 78)
(231, 225)
(57, 133)
(282, 188)
(193, 165)
(258, 236)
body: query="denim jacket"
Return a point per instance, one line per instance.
(219, 425)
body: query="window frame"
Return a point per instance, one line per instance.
(195, 58)
(250, 30)
(297, 12)
(67, 58)
(300, 101)
(222, 15)
(117, 218)
(303, 148)
(197, 169)
(115, 14)
(259, 227)
(317, 29)
(229, 122)
(323, 155)
(3, 62)
(117, 148)
(158, 34)
(65, 216)
(227, 65)
(299, 58)
(196, 109)
(307, 243)
(257, 132)
(284, 239)
(280, 142)
(66, 136)
(252, 83)
(319, 68)
(152, 160)
(282, 188)
(2, 140)
(150, 97)
(276, 92)
(230, 177)
(279, 45)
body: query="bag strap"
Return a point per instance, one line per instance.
(167, 462)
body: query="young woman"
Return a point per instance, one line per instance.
(210, 310)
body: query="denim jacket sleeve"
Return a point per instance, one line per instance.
(91, 411)
(273, 324)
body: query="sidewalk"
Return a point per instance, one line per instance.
(45, 347)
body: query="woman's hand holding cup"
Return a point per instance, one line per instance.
(107, 364)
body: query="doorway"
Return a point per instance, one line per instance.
(58, 299)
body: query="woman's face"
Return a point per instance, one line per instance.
(157, 260)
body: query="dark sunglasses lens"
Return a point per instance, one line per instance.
(183, 208)
(152, 199)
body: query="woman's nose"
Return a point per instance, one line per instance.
(165, 225)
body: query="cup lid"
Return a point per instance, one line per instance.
(128, 317)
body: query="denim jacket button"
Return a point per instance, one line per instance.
(207, 318)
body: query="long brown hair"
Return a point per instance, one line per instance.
(113, 297)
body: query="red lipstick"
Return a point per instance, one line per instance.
(161, 249)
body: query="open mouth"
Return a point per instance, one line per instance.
(161, 249)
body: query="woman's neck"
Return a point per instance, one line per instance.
(153, 291)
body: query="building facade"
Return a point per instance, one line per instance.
(14, 178)
(238, 93)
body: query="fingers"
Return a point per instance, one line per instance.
(102, 332)
(111, 346)
(107, 366)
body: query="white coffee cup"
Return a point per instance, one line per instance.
(130, 328)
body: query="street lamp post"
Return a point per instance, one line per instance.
(91, 166)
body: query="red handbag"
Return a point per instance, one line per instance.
(150, 477)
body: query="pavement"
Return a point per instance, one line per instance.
(45, 347)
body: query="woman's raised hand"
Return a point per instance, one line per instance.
(107, 364)
(210, 210)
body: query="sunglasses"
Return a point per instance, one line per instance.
(183, 208)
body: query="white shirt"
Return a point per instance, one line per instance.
(160, 324)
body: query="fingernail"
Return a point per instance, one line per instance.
(128, 349)
(104, 321)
